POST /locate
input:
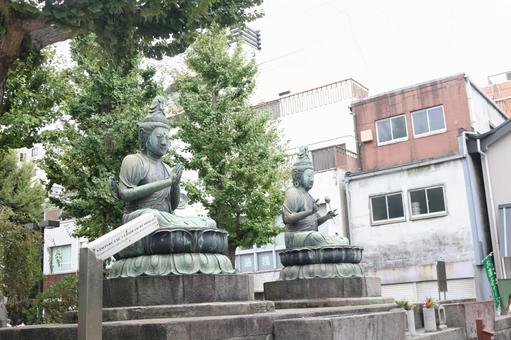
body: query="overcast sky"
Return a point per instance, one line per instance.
(383, 44)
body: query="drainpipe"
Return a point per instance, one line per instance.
(348, 204)
(499, 267)
(357, 140)
(499, 261)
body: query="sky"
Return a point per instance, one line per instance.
(384, 45)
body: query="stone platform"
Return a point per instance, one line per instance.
(318, 288)
(180, 311)
(177, 289)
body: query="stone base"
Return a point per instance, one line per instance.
(317, 288)
(177, 289)
(180, 311)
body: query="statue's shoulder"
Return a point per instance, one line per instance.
(293, 194)
(135, 159)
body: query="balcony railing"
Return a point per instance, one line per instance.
(307, 100)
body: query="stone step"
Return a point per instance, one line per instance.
(444, 334)
(332, 302)
(383, 325)
(227, 327)
(180, 311)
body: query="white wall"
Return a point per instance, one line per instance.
(330, 183)
(482, 114)
(322, 126)
(59, 237)
(405, 251)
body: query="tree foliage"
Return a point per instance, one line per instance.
(100, 128)
(122, 28)
(20, 202)
(33, 98)
(17, 191)
(54, 301)
(234, 148)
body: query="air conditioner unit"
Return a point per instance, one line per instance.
(366, 136)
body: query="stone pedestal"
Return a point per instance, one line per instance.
(177, 289)
(318, 288)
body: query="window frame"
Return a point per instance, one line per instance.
(393, 140)
(427, 215)
(58, 268)
(388, 220)
(429, 133)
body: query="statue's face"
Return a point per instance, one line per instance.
(157, 143)
(308, 179)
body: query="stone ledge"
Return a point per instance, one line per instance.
(317, 288)
(369, 326)
(180, 311)
(333, 302)
(177, 289)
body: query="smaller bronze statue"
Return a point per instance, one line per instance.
(300, 211)
(310, 254)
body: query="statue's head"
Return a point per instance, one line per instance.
(154, 129)
(303, 172)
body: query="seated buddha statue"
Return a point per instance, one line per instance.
(181, 245)
(147, 184)
(300, 211)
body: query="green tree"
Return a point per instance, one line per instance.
(100, 128)
(20, 202)
(17, 190)
(234, 148)
(54, 301)
(33, 98)
(156, 27)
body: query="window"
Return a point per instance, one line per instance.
(247, 263)
(35, 152)
(265, 260)
(505, 229)
(60, 259)
(428, 121)
(387, 208)
(427, 201)
(391, 130)
(22, 157)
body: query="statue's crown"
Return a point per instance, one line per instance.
(303, 161)
(156, 115)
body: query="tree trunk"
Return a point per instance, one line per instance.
(231, 254)
(17, 28)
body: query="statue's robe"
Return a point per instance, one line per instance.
(138, 169)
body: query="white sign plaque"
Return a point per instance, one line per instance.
(123, 236)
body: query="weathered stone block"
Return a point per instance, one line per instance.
(465, 315)
(179, 289)
(318, 288)
(385, 325)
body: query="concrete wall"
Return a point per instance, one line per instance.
(407, 251)
(449, 92)
(322, 126)
(59, 237)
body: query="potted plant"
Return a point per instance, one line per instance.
(428, 312)
(408, 307)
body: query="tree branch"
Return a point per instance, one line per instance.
(46, 36)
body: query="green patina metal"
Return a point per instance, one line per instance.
(309, 253)
(182, 245)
